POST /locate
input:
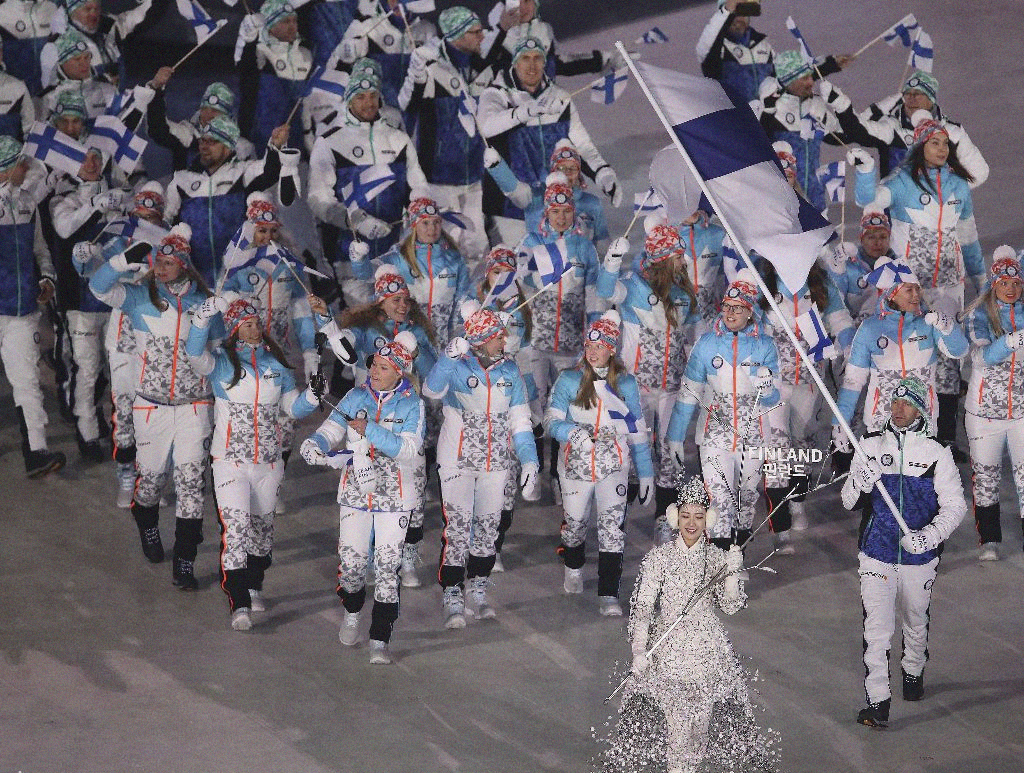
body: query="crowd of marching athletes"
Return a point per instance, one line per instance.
(483, 323)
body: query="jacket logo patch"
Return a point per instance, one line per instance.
(717, 362)
(925, 199)
(887, 460)
(361, 414)
(472, 382)
(357, 152)
(882, 342)
(195, 185)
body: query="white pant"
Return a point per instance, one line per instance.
(609, 499)
(471, 506)
(85, 334)
(178, 433)
(354, 529)
(657, 407)
(948, 300)
(246, 500)
(988, 438)
(469, 201)
(19, 350)
(732, 479)
(793, 425)
(883, 587)
(124, 377)
(544, 368)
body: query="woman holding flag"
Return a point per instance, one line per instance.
(595, 413)
(657, 304)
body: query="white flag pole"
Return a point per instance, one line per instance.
(781, 321)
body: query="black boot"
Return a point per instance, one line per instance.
(876, 715)
(188, 533)
(913, 687)
(182, 575)
(986, 518)
(946, 427)
(609, 574)
(147, 518)
(38, 462)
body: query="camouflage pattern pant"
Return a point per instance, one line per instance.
(246, 500)
(609, 499)
(388, 529)
(658, 405)
(732, 478)
(471, 506)
(988, 439)
(176, 433)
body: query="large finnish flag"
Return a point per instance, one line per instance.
(54, 148)
(735, 158)
(202, 24)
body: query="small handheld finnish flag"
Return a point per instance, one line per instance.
(812, 330)
(54, 148)
(833, 178)
(331, 82)
(624, 420)
(367, 185)
(118, 143)
(549, 261)
(503, 290)
(609, 88)
(419, 6)
(652, 36)
(903, 31)
(467, 113)
(805, 50)
(202, 24)
(647, 202)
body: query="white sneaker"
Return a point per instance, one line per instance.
(609, 606)
(256, 601)
(498, 566)
(783, 545)
(379, 654)
(799, 515)
(125, 485)
(407, 572)
(454, 606)
(573, 582)
(478, 596)
(989, 552)
(348, 634)
(240, 619)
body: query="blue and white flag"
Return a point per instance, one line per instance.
(457, 219)
(647, 202)
(550, 260)
(54, 148)
(904, 31)
(652, 36)
(118, 143)
(805, 50)
(624, 420)
(418, 6)
(367, 185)
(202, 24)
(331, 83)
(504, 290)
(735, 159)
(922, 55)
(812, 330)
(833, 178)
(888, 272)
(610, 87)
(467, 113)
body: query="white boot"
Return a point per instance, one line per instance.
(410, 560)
(609, 606)
(240, 619)
(379, 654)
(783, 543)
(573, 582)
(498, 566)
(348, 634)
(125, 485)
(989, 552)
(799, 515)
(256, 601)
(478, 597)
(454, 606)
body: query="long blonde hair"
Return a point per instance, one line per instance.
(661, 276)
(407, 249)
(987, 299)
(586, 395)
(371, 315)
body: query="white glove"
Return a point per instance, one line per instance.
(83, 253)
(354, 48)
(765, 382)
(734, 559)
(955, 132)
(834, 96)
(209, 309)
(418, 61)
(580, 438)
(491, 157)
(363, 474)
(312, 453)
(646, 489)
(358, 251)
(921, 541)
(310, 364)
(860, 159)
(941, 322)
(526, 112)
(109, 201)
(249, 29)
(552, 103)
(1015, 339)
(529, 480)
(456, 348)
(617, 250)
(368, 226)
(867, 475)
(840, 441)
(119, 263)
(640, 663)
(609, 183)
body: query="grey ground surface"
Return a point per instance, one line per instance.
(106, 667)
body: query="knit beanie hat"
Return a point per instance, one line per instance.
(366, 64)
(527, 45)
(222, 129)
(70, 102)
(388, 282)
(558, 193)
(177, 243)
(784, 152)
(663, 241)
(925, 126)
(150, 197)
(363, 80)
(790, 65)
(238, 312)
(873, 221)
(564, 151)
(914, 392)
(401, 352)
(924, 82)
(70, 44)
(276, 10)
(218, 97)
(454, 22)
(481, 324)
(605, 331)
(1004, 264)
(73, 5)
(501, 258)
(421, 208)
(743, 290)
(10, 152)
(260, 210)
